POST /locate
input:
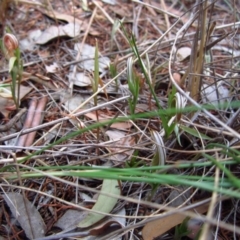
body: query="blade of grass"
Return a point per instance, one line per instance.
(151, 114)
(139, 176)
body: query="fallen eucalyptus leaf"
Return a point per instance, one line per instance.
(6, 101)
(103, 117)
(70, 219)
(28, 43)
(175, 199)
(69, 30)
(183, 53)
(73, 102)
(80, 79)
(214, 95)
(112, 2)
(52, 68)
(158, 227)
(104, 203)
(29, 219)
(65, 17)
(120, 138)
(87, 58)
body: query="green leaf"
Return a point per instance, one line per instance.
(194, 132)
(171, 99)
(104, 204)
(160, 157)
(182, 229)
(12, 61)
(169, 129)
(113, 70)
(116, 26)
(176, 130)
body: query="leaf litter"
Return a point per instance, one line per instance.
(26, 214)
(52, 37)
(86, 59)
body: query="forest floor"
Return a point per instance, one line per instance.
(119, 119)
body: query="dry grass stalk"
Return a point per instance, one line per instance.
(198, 53)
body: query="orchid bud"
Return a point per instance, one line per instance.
(10, 44)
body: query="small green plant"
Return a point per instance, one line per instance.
(165, 118)
(134, 161)
(10, 48)
(113, 74)
(181, 230)
(115, 28)
(133, 84)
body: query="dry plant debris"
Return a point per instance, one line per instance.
(126, 124)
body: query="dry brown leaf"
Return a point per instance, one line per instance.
(80, 79)
(71, 103)
(142, 107)
(7, 102)
(120, 139)
(71, 19)
(29, 219)
(177, 78)
(101, 116)
(94, 32)
(122, 125)
(87, 57)
(214, 95)
(52, 68)
(70, 219)
(122, 11)
(70, 30)
(112, 2)
(183, 53)
(44, 54)
(64, 17)
(73, 216)
(158, 227)
(108, 226)
(28, 43)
